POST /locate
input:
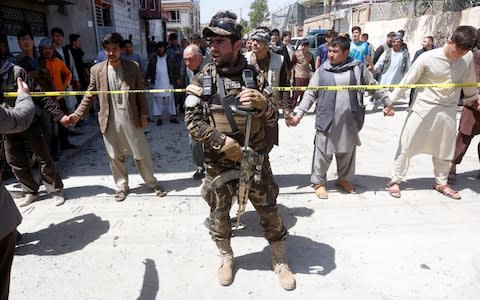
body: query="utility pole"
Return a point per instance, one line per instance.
(240, 15)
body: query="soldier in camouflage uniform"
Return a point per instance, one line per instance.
(207, 122)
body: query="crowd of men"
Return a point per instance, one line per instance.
(232, 109)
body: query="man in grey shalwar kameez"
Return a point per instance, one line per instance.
(339, 115)
(122, 117)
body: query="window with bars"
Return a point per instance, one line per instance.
(14, 19)
(103, 16)
(149, 4)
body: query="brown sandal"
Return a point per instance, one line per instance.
(447, 191)
(346, 186)
(393, 189)
(120, 196)
(321, 191)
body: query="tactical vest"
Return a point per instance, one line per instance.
(232, 86)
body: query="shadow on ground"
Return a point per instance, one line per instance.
(86, 191)
(251, 219)
(66, 237)
(150, 284)
(179, 184)
(298, 180)
(468, 180)
(305, 255)
(363, 183)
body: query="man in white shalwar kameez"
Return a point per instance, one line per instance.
(122, 117)
(162, 72)
(430, 126)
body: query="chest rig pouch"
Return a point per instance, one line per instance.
(222, 107)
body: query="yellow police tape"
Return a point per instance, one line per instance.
(280, 89)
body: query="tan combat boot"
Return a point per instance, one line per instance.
(225, 271)
(280, 266)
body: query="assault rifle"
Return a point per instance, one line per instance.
(250, 166)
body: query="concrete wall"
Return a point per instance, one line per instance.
(322, 21)
(126, 21)
(439, 26)
(360, 14)
(78, 18)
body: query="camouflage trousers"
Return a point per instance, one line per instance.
(262, 195)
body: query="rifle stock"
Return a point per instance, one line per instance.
(247, 168)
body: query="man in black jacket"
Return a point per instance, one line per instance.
(16, 144)
(11, 121)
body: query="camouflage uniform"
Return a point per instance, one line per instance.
(211, 121)
(211, 129)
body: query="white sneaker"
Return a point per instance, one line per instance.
(29, 198)
(58, 198)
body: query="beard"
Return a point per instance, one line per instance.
(219, 63)
(222, 61)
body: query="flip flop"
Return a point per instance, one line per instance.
(159, 191)
(447, 191)
(120, 196)
(393, 189)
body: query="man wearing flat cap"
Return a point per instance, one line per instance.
(213, 115)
